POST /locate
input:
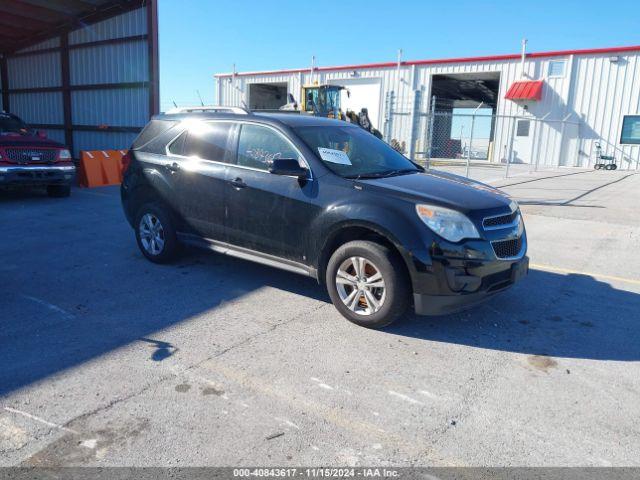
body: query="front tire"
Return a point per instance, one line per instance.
(368, 283)
(155, 233)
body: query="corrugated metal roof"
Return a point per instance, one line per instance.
(125, 25)
(525, 90)
(27, 22)
(489, 58)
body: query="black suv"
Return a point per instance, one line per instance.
(326, 199)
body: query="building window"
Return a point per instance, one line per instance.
(523, 128)
(556, 68)
(630, 130)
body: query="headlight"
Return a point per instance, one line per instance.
(449, 224)
(64, 154)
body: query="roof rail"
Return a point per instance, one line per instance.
(209, 108)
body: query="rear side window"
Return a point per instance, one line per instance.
(208, 140)
(176, 147)
(153, 129)
(259, 146)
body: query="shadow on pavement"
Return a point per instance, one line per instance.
(546, 314)
(75, 287)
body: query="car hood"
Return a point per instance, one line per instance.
(444, 189)
(18, 140)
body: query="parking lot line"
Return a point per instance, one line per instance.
(335, 416)
(602, 276)
(50, 306)
(40, 420)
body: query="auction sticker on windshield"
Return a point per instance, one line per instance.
(334, 156)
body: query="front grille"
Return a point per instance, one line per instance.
(31, 155)
(501, 220)
(507, 248)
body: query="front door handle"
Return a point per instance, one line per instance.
(238, 183)
(173, 167)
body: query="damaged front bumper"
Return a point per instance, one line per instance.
(461, 276)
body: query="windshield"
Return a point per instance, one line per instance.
(11, 124)
(352, 152)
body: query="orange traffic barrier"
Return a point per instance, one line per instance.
(99, 168)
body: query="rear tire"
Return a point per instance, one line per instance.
(59, 191)
(156, 233)
(368, 283)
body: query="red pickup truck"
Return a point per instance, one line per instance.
(27, 158)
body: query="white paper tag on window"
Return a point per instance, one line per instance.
(334, 156)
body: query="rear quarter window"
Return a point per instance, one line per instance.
(153, 129)
(208, 141)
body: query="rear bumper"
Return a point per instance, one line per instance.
(37, 174)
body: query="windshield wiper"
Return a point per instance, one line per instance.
(400, 171)
(386, 173)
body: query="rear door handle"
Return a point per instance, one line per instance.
(238, 183)
(174, 167)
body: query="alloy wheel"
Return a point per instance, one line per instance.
(151, 234)
(360, 285)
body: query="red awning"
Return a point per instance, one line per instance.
(527, 90)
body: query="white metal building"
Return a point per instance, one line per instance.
(555, 106)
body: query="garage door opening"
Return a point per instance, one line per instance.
(464, 122)
(267, 96)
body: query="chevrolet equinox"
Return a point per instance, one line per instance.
(326, 199)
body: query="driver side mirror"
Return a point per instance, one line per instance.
(41, 133)
(288, 167)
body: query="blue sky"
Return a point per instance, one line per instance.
(201, 37)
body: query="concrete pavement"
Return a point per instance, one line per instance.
(110, 360)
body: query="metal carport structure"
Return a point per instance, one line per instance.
(84, 71)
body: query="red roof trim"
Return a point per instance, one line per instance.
(525, 90)
(490, 58)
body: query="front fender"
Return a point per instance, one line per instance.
(410, 237)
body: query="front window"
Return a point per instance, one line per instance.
(351, 152)
(11, 124)
(259, 146)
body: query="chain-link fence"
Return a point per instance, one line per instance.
(489, 143)
(478, 143)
